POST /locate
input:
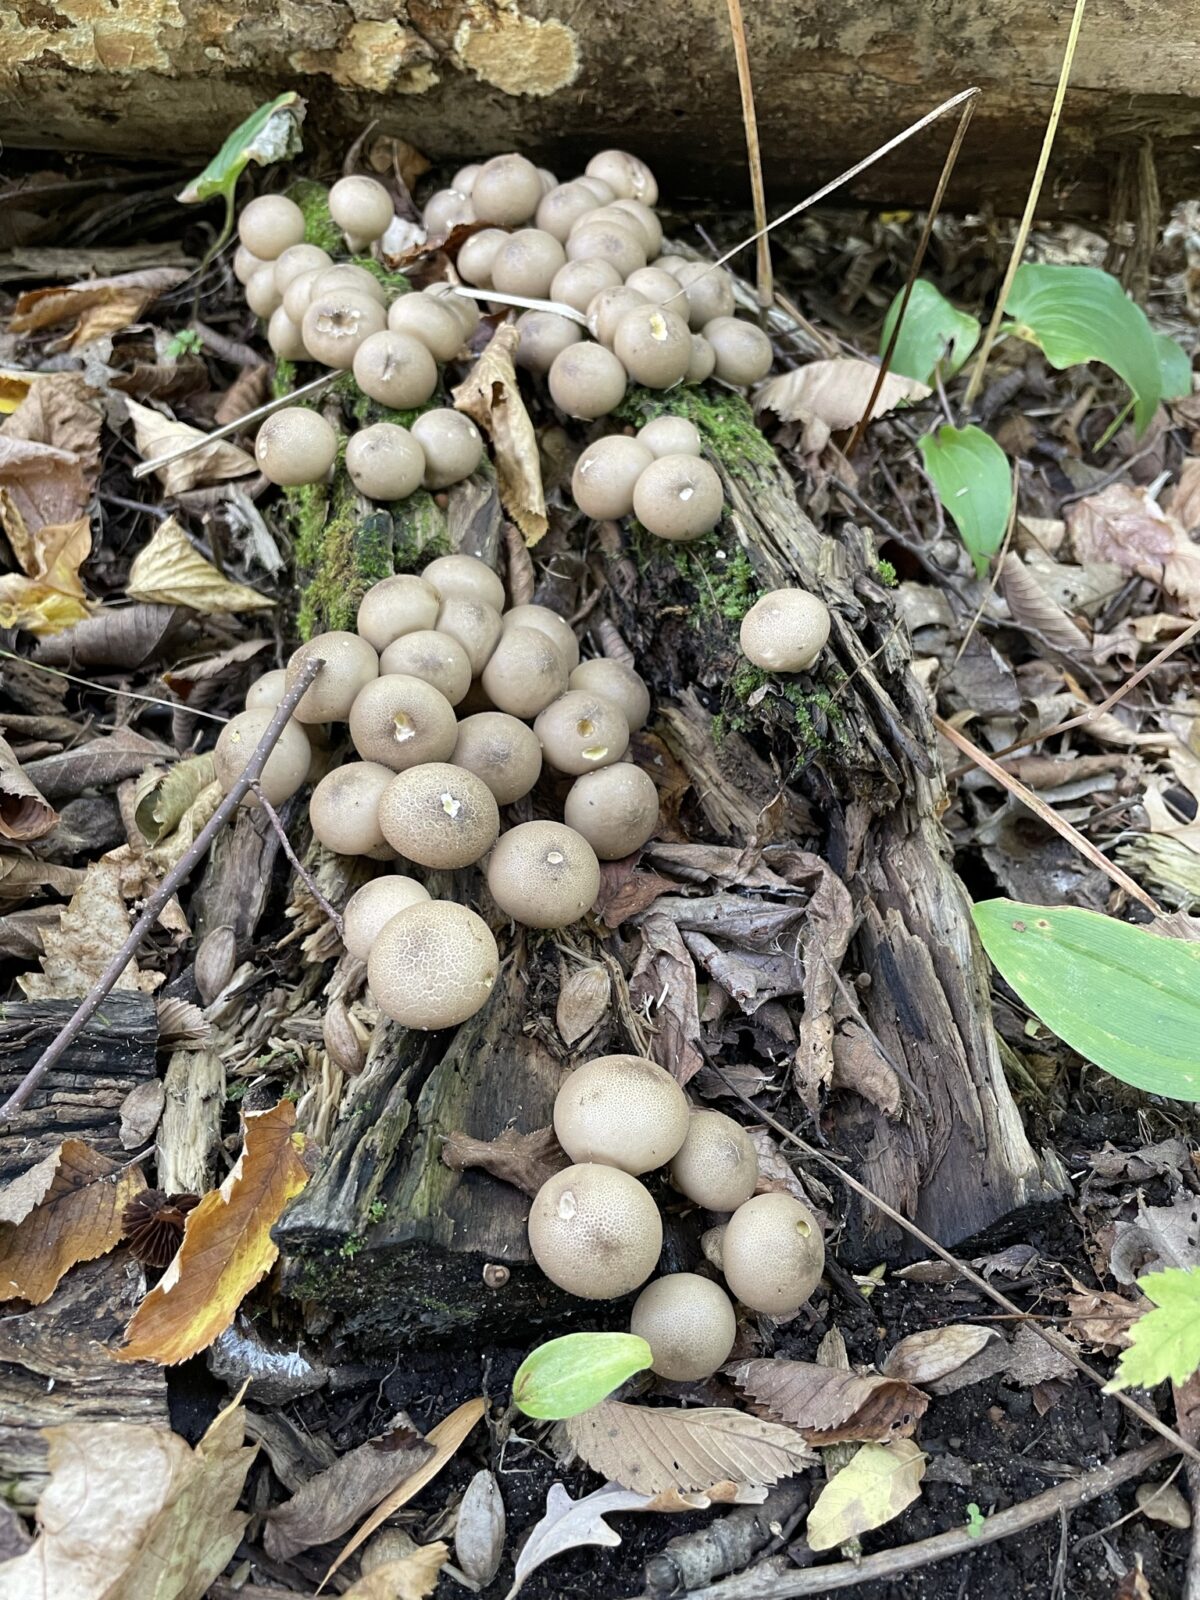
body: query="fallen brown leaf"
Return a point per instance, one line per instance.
(24, 814)
(168, 571)
(127, 637)
(1123, 525)
(97, 306)
(583, 998)
(664, 979)
(411, 1578)
(64, 1210)
(49, 597)
(134, 1513)
(933, 1353)
(227, 1246)
(90, 930)
(491, 396)
(1101, 1319)
(658, 1448)
(157, 435)
(832, 1406)
(835, 392)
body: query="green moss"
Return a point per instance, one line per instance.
(283, 379)
(394, 282)
(363, 409)
(351, 1247)
(319, 227)
(376, 1211)
(725, 421)
(886, 573)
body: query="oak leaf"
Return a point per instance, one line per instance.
(833, 1406)
(655, 1449)
(134, 1513)
(491, 396)
(227, 1246)
(169, 571)
(64, 1210)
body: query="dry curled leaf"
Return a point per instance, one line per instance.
(876, 1485)
(836, 392)
(660, 1448)
(49, 461)
(525, 1160)
(413, 1577)
(24, 813)
(96, 764)
(65, 1209)
(1034, 608)
(934, 1353)
(49, 596)
(97, 306)
(583, 998)
(570, 1524)
(832, 1406)
(333, 1501)
(479, 1530)
(162, 799)
(169, 571)
(1123, 525)
(89, 931)
(664, 981)
(157, 435)
(491, 396)
(227, 1246)
(132, 1512)
(126, 637)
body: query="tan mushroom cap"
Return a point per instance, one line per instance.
(447, 210)
(268, 690)
(395, 606)
(561, 208)
(297, 260)
(615, 809)
(477, 255)
(595, 1231)
(401, 722)
(616, 682)
(670, 436)
(396, 369)
(717, 1164)
(462, 577)
(527, 262)
(626, 175)
(453, 446)
(284, 337)
(557, 629)
(743, 351)
(654, 346)
(431, 320)
(688, 1322)
(582, 731)
(785, 631)
(361, 207)
(375, 904)
(544, 336)
(433, 965)
(501, 750)
(435, 657)
(346, 277)
(295, 446)
(587, 381)
(438, 815)
(349, 665)
(772, 1254)
(679, 497)
(525, 672)
(286, 767)
(579, 282)
(708, 293)
(603, 481)
(507, 190)
(543, 874)
(270, 225)
(475, 624)
(337, 323)
(344, 808)
(622, 1111)
(385, 462)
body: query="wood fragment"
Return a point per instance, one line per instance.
(189, 1137)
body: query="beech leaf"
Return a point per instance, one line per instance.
(50, 598)
(1124, 525)
(568, 1524)
(878, 1482)
(411, 1578)
(491, 396)
(934, 1353)
(98, 306)
(169, 571)
(157, 435)
(568, 1375)
(833, 1406)
(661, 1448)
(64, 1210)
(134, 1513)
(836, 392)
(227, 1246)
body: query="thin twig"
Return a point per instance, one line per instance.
(524, 301)
(104, 688)
(299, 868)
(1048, 815)
(1049, 1334)
(737, 26)
(145, 468)
(1035, 190)
(960, 134)
(92, 1002)
(886, 1564)
(913, 546)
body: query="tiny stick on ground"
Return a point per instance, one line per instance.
(179, 872)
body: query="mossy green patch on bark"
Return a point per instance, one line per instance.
(724, 420)
(394, 282)
(319, 227)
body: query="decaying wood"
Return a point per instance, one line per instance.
(190, 1133)
(470, 77)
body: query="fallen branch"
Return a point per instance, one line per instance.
(179, 872)
(1064, 1497)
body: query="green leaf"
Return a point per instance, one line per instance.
(934, 336)
(975, 1520)
(1125, 998)
(972, 477)
(878, 1482)
(576, 1372)
(1165, 1341)
(1078, 314)
(1175, 367)
(272, 133)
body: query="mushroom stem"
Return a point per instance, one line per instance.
(144, 468)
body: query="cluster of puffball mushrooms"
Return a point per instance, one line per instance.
(427, 787)
(595, 1230)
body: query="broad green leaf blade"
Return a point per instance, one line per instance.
(1122, 996)
(875, 1485)
(1165, 1341)
(972, 477)
(933, 336)
(1175, 367)
(1078, 314)
(272, 133)
(576, 1372)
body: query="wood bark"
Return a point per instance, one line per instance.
(465, 78)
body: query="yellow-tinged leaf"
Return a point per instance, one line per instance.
(97, 305)
(227, 1246)
(445, 1439)
(169, 572)
(14, 386)
(64, 1210)
(491, 396)
(133, 1513)
(157, 435)
(873, 1487)
(51, 598)
(411, 1578)
(163, 798)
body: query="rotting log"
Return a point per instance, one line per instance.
(461, 78)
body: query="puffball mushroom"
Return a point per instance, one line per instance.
(626, 175)
(295, 446)
(526, 263)
(453, 446)
(543, 874)
(595, 1231)
(349, 665)
(384, 461)
(703, 360)
(286, 767)
(262, 292)
(544, 336)
(268, 690)
(370, 908)
(622, 1111)
(475, 625)
(670, 436)
(284, 337)
(579, 282)
(604, 477)
(743, 352)
(785, 631)
(431, 320)
(707, 293)
(658, 287)
(435, 657)
(402, 722)
(362, 209)
(347, 278)
(344, 808)
(337, 323)
(615, 809)
(463, 577)
(524, 673)
(477, 255)
(587, 381)
(717, 1164)
(560, 209)
(654, 346)
(688, 1322)
(772, 1254)
(270, 225)
(439, 816)
(507, 190)
(616, 682)
(606, 309)
(502, 751)
(433, 965)
(296, 260)
(582, 731)
(560, 632)
(609, 241)
(678, 497)
(396, 606)
(246, 264)
(447, 210)
(395, 369)
(647, 220)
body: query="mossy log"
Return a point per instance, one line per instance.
(391, 1242)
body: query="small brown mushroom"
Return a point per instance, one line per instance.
(349, 665)
(463, 577)
(708, 293)
(626, 175)
(556, 628)
(544, 335)
(395, 369)
(507, 190)
(337, 323)
(401, 721)
(453, 446)
(605, 310)
(608, 241)
(446, 210)
(743, 352)
(284, 337)
(581, 732)
(362, 209)
(295, 261)
(524, 673)
(561, 209)
(385, 462)
(396, 606)
(434, 657)
(579, 282)
(671, 436)
(286, 768)
(616, 682)
(345, 277)
(526, 263)
(653, 345)
(604, 477)
(717, 1164)
(477, 254)
(294, 446)
(431, 320)
(270, 225)
(587, 381)
(370, 908)
(502, 751)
